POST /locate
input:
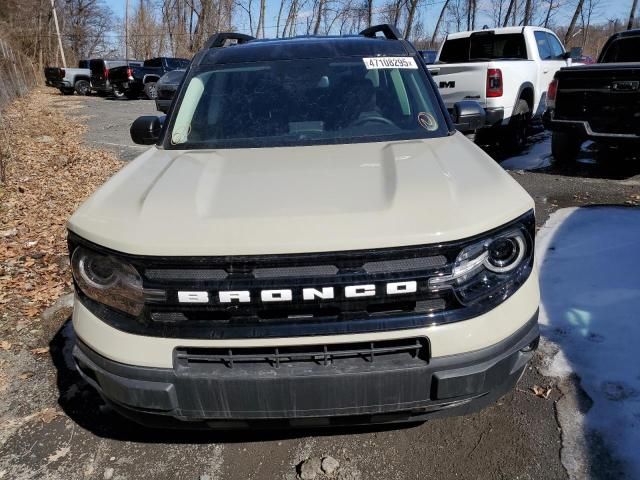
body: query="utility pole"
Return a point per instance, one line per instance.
(126, 31)
(55, 20)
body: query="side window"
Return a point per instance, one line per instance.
(153, 63)
(557, 52)
(543, 45)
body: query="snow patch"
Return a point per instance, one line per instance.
(537, 156)
(589, 261)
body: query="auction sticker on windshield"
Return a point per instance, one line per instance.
(389, 62)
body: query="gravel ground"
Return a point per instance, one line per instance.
(517, 438)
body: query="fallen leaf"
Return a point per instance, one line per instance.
(26, 375)
(5, 345)
(48, 414)
(60, 453)
(541, 392)
(40, 350)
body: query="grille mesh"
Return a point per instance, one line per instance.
(186, 274)
(405, 264)
(323, 355)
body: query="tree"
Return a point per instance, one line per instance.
(574, 19)
(434, 37)
(471, 14)
(632, 14)
(527, 13)
(413, 4)
(510, 8)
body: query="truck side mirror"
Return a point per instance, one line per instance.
(146, 130)
(468, 116)
(575, 54)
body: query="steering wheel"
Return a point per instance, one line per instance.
(374, 118)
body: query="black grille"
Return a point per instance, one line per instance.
(318, 355)
(296, 272)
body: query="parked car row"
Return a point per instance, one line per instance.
(514, 74)
(119, 77)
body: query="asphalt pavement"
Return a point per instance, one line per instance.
(519, 437)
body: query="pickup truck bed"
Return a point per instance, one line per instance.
(506, 70)
(600, 102)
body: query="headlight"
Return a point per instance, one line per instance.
(108, 280)
(490, 268)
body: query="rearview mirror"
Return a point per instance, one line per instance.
(468, 116)
(146, 130)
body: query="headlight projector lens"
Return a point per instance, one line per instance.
(505, 253)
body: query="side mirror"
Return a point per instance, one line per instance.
(468, 116)
(575, 54)
(146, 130)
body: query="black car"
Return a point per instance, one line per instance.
(139, 79)
(598, 102)
(167, 87)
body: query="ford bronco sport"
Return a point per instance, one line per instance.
(309, 241)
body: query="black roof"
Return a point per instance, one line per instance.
(627, 33)
(306, 47)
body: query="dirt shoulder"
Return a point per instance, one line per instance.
(48, 173)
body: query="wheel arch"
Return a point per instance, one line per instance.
(526, 93)
(150, 78)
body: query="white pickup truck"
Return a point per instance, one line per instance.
(507, 70)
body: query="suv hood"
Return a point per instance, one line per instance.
(300, 199)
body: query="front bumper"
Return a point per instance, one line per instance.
(306, 396)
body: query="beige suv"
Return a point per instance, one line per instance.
(309, 241)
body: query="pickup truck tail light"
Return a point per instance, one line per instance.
(551, 93)
(494, 82)
(130, 73)
(106, 73)
(62, 73)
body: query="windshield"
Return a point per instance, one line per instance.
(306, 102)
(483, 47)
(175, 63)
(622, 50)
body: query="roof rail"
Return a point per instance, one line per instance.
(220, 39)
(390, 32)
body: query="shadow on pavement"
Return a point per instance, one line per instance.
(594, 161)
(82, 404)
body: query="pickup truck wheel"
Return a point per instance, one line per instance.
(518, 128)
(82, 87)
(565, 147)
(150, 90)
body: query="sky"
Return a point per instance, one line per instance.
(431, 8)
